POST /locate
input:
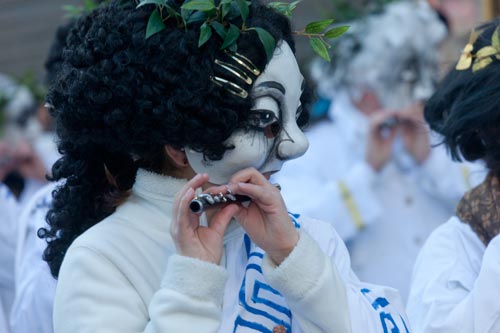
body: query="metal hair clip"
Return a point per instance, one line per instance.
(242, 69)
(244, 62)
(235, 71)
(204, 201)
(231, 87)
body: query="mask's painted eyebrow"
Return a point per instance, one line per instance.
(273, 84)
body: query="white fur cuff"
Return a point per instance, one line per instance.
(195, 278)
(299, 273)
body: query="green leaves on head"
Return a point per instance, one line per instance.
(217, 16)
(318, 26)
(155, 24)
(267, 41)
(200, 5)
(320, 48)
(232, 35)
(205, 34)
(319, 33)
(337, 31)
(284, 8)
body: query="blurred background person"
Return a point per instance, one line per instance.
(370, 167)
(35, 287)
(27, 152)
(455, 279)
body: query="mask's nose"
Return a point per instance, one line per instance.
(294, 144)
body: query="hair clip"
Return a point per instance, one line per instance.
(235, 71)
(244, 62)
(240, 72)
(231, 87)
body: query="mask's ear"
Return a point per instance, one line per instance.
(178, 156)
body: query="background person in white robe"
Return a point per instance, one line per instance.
(370, 169)
(129, 254)
(455, 286)
(8, 218)
(35, 286)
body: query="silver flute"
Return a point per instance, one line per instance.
(205, 201)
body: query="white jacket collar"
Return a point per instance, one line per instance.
(152, 185)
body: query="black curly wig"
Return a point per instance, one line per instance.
(120, 98)
(465, 109)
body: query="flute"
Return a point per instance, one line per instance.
(204, 201)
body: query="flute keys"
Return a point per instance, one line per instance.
(207, 197)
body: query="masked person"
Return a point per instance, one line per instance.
(144, 125)
(370, 169)
(454, 286)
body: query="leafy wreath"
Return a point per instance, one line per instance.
(217, 18)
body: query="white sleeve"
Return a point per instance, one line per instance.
(188, 300)
(448, 295)
(326, 296)
(346, 201)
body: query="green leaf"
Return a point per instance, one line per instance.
(155, 24)
(219, 29)
(226, 9)
(147, 2)
(205, 34)
(203, 5)
(319, 48)
(318, 26)
(244, 9)
(284, 8)
(232, 35)
(337, 31)
(267, 41)
(197, 16)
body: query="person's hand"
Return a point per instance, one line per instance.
(265, 219)
(190, 238)
(381, 136)
(7, 163)
(28, 163)
(414, 132)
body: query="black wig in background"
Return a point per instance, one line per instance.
(120, 98)
(465, 109)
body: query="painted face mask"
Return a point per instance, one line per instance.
(272, 135)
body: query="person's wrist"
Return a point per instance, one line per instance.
(279, 255)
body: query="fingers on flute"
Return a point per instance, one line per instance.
(194, 183)
(221, 220)
(249, 175)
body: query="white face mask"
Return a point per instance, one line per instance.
(274, 136)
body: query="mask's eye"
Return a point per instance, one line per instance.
(266, 122)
